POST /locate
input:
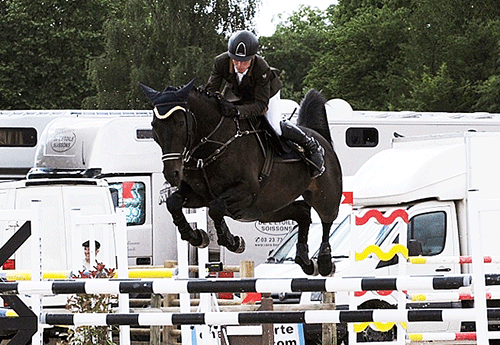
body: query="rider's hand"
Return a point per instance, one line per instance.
(228, 109)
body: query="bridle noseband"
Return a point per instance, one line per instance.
(190, 122)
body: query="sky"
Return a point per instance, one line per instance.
(267, 18)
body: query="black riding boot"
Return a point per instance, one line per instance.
(314, 151)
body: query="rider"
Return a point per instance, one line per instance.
(253, 89)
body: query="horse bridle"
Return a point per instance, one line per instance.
(187, 155)
(190, 122)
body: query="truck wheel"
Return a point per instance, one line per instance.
(369, 334)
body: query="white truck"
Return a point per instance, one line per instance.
(20, 132)
(57, 199)
(360, 134)
(122, 151)
(431, 178)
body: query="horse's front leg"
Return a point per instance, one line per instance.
(217, 210)
(197, 238)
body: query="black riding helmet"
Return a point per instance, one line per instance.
(243, 45)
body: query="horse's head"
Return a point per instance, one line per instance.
(172, 125)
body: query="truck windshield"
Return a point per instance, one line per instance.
(369, 233)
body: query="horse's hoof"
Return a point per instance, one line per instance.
(315, 267)
(240, 245)
(205, 240)
(309, 267)
(325, 269)
(325, 265)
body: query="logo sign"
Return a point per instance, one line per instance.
(289, 334)
(63, 141)
(275, 228)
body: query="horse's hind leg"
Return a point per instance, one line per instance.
(325, 264)
(197, 238)
(300, 212)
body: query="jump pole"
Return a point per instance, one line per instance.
(416, 337)
(260, 285)
(139, 273)
(421, 260)
(259, 317)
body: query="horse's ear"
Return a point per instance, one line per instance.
(186, 89)
(149, 92)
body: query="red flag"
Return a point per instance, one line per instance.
(252, 297)
(348, 198)
(127, 190)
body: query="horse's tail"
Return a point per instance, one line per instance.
(312, 114)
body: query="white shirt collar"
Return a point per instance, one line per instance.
(240, 76)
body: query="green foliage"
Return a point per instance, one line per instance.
(361, 60)
(161, 43)
(294, 47)
(426, 55)
(44, 51)
(489, 95)
(92, 303)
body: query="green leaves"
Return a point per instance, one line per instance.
(423, 55)
(44, 51)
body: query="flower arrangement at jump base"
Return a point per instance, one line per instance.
(91, 303)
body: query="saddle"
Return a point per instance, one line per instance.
(275, 148)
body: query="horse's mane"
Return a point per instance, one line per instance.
(200, 90)
(205, 95)
(312, 114)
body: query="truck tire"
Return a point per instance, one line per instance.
(369, 334)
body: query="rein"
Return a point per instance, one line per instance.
(203, 162)
(188, 155)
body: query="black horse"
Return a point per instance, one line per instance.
(219, 162)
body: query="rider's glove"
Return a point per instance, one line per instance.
(228, 109)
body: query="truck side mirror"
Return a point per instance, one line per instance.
(114, 196)
(415, 248)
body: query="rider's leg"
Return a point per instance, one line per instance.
(273, 114)
(282, 127)
(314, 151)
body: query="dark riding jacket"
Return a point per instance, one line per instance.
(256, 88)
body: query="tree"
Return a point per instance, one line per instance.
(161, 43)
(424, 55)
(44, 51)
(294, 46)
(362, 62)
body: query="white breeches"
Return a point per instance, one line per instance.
(273, 114)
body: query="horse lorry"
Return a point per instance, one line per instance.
(442, 183)
(129, 154)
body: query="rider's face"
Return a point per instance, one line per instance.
(241, 66)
